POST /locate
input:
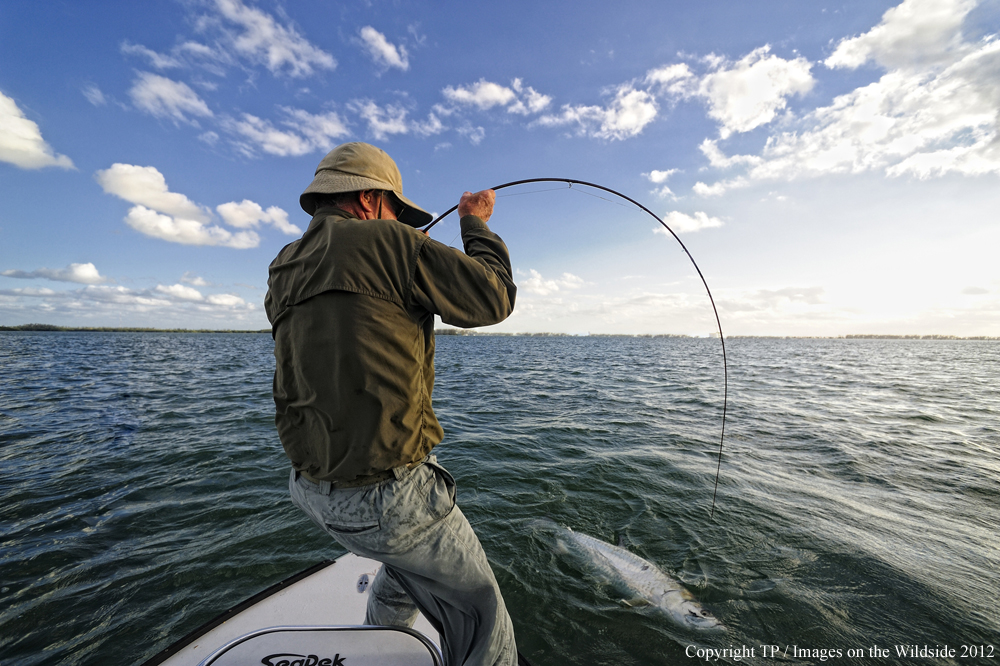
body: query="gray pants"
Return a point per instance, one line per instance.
(431, 559)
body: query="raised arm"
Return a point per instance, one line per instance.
(474, 288)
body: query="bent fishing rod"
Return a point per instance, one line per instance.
(722, 339)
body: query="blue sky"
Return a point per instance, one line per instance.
(833, 167)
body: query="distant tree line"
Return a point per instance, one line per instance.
(919, 337)
(122, 329)
(468, 332)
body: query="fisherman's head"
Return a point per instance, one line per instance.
(361, 173)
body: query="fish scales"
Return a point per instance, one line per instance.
(637, 573)
(642, 579)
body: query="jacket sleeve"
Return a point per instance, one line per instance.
(466, 290)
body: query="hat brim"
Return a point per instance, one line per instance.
(335, 182)
(411, 214)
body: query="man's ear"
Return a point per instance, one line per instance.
(367, 200)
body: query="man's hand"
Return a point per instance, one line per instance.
(479, 204)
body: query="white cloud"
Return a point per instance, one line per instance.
(164, 305)
(21, 142)
(191, 49)
(157, 60)
(180, 292)
(228, 300)
(474, 134)
(748, 306)
(119, 296)
(672, 78)
(808, 295)
(29, 291)
(320, 129)
(721, 187)
(935, 111)
(248, 215)
(626, 115)
(658, 177)
(621, 310)
(914, 33)
(919, 123)
(420, 39)
(531, 100)
(683, 223)
(187, 232)
(163, 98)
(307, 132)
(482, 94)
(539, 286)
(713, 190)
(148, 187)
(238, 31)
(168, 215)
(265, 136)
(719, 160)
(192, 279)
(429, 127)
(740, 95)
(183, 55)
(382, 121)
(752, 91)
(383, 52)
(260, 38)
(80, 273)
(94, 95)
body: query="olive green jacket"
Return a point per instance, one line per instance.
(352, 306)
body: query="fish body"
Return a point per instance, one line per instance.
(640, 578)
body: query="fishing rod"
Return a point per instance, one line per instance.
(722, 339)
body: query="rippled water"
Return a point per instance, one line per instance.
(143, 490)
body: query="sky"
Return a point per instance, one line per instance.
(833, 167)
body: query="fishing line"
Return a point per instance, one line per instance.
(521, 194)
(579, 191)
(722, 339)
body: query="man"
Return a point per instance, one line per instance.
(352, 306)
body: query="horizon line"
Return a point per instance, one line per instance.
(476, 333)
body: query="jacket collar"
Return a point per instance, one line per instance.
(330, 211)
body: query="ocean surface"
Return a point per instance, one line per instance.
(143, 491)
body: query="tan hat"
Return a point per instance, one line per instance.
(361, 166)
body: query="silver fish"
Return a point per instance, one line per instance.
(640, 577)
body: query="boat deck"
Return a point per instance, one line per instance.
(327, 594)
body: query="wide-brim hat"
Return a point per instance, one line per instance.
(352, 167)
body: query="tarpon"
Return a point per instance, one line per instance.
(639, 577)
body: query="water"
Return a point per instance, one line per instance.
(143, 490)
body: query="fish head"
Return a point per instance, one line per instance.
(695, 617)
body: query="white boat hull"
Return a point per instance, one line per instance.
(327, 596)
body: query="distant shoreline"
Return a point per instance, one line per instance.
(862, 336)
(468, 333)
(46, 328)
